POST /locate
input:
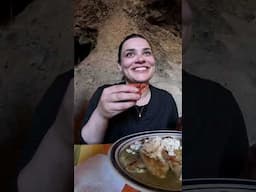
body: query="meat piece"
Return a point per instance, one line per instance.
(162, 154)
(156, 166)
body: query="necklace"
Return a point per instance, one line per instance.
(139, 110)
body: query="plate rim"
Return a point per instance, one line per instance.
(218, 183)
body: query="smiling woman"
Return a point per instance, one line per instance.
(117, 110)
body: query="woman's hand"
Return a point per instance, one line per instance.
(113, 100)
(116, 99)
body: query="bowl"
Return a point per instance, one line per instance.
(127, 150)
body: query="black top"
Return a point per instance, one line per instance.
(44, 116)
(215, 140)
(159, 113)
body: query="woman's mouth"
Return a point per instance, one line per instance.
(143, 68)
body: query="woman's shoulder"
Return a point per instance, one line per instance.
(164, 99)
(162, 95)
(160, 92)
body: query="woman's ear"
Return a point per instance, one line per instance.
(119, 67)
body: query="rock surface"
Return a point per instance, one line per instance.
(38, 45)
(35, 48)
(223, 50)
(106, 23)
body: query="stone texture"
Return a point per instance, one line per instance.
(35, 48)
(223, 50)
(112, 20)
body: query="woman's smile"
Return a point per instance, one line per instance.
(140, 68)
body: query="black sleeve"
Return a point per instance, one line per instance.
(91, 107)
(164, 101)
(237, 145)
(43, 117)
(173, 117)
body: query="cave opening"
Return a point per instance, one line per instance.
(85, 41)
(81, 50)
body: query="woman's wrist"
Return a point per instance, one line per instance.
(100, 115)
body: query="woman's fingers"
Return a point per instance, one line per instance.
(117, 98)
(118, 93)
(122, 106)
(110, 109)
(120, 97)
(122, 88)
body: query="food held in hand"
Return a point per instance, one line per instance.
(141, 86)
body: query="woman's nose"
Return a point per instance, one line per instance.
(140, 59)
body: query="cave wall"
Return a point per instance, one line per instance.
(36, 46)
(103, 24)
(223, 50)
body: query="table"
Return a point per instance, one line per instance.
(83, 152)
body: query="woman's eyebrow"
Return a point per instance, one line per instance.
(147, 49)
(128, 50)
(133, 50)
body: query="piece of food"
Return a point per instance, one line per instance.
(155, 166)
(156, 156)
(141, 86)
(131, 159)
(174, 162)
(160, 155)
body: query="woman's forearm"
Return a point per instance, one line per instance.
(94, 130)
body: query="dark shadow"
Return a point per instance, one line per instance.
(9, 9)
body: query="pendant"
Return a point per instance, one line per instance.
(139, 111)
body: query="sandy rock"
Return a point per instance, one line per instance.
(123, 18)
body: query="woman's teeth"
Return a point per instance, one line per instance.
(140, 68)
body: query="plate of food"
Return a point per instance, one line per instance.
(149, 161)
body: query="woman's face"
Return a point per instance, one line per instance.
(137, 60)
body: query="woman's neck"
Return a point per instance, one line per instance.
(145, 97)
(145, 94)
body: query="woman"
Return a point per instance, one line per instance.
(122, 109)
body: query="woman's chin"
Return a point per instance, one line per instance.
(142, 79)
(139, 78)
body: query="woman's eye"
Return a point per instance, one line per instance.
(147, 53)
(130, 54)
